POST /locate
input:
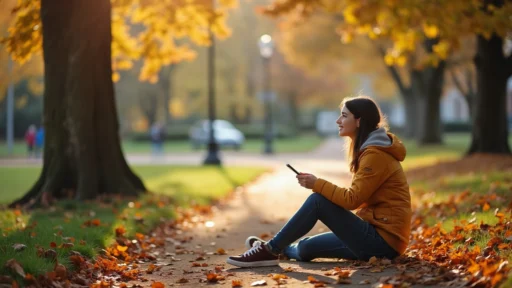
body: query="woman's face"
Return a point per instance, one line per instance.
(347, 123)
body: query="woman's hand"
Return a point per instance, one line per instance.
(306, 180)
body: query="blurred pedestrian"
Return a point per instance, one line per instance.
(30, 138)
(157, 139)
(39, 141)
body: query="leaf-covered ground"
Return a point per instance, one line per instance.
(462, 236)
(35, 243)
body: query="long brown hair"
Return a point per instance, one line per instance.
(371, 119)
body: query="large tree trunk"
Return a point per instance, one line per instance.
(82, 154)
(428, 89)
(490, 128)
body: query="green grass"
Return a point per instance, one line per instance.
(454, 146)
(172, 186)
(302, 143)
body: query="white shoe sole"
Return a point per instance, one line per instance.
(253, 264)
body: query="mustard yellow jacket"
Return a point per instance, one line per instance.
(379, 189)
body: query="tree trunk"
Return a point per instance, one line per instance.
(490, 128)
(411, 117)
(429, 91)
(165, 83)
(82, 154)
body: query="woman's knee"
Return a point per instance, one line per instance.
(316, 198)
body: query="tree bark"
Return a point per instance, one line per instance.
(411, 114)
(490, 128)
(82, 154)
(428, 86)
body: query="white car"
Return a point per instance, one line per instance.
(226, 135)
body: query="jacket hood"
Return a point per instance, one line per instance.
(387, 142)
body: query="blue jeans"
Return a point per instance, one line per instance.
(351, 237)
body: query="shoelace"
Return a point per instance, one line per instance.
(256, 247)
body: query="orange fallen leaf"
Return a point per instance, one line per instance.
(51, 275)
(157, 285)
(195, 264)
(15, 266)
(120, 231)
(96, 222)
(122, 248)
(313, 280)
(182, 280)
(486, 207)
(61, 271)
(343, 280)
(213, 277)
(53, 245)
(236, 283)
(279, 276)
(66, 245)
(50, 254)
(221, 251)
(152, 268)
(373, 260)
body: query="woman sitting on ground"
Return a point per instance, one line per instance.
(379, 189)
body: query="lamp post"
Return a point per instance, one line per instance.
(10, 109)
(212, 158)
(266, 50)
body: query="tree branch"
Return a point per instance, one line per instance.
(393, 71)
(470, 82)
(457, 82)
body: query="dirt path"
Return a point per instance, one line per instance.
(260, 208)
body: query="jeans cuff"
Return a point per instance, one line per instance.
(273, 249)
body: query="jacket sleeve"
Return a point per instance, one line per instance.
(371, 174)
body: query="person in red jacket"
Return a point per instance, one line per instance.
(30, 139)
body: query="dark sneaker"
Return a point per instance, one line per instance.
(251, 240)
(257, 256)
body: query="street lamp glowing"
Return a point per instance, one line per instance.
(266, 46)
(265, 38)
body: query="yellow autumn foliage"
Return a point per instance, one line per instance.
(408, 24)
(159, 26)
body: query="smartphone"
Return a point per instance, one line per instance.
(293, 169)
